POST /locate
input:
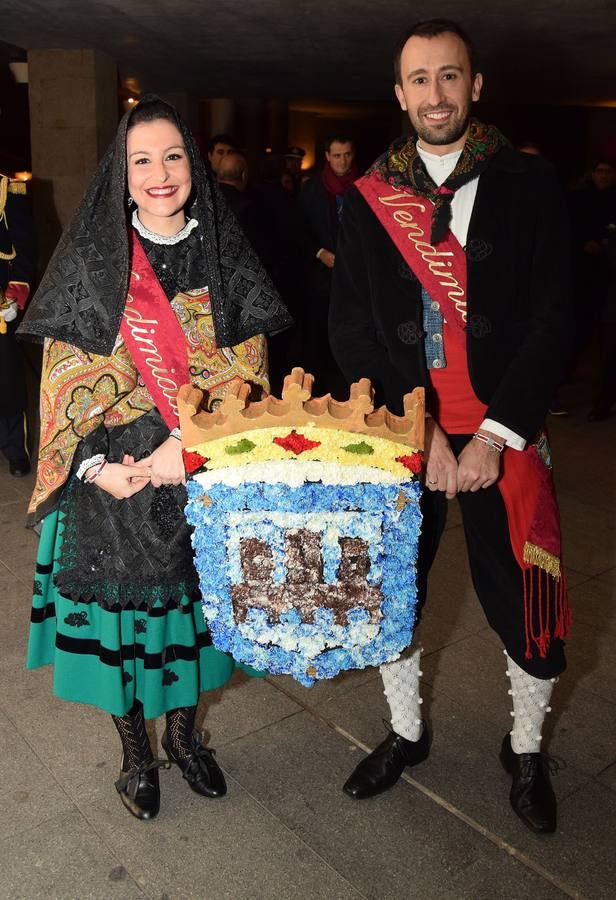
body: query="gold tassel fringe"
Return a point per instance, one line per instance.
(536, 556)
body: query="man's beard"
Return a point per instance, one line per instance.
(438, 135)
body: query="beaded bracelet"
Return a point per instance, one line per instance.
(91, 478)
(95, 460)
(489, 441)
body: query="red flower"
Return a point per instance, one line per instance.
(296, 443)
(412, 462)
(193, 461)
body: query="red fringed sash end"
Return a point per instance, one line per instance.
(546, 610)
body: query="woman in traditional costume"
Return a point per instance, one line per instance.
(151, 286)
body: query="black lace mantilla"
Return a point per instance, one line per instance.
(127, 554)
(82, 295)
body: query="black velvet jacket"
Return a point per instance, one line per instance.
(519, 309)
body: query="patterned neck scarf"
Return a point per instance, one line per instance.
(401, 166)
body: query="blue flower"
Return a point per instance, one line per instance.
(291, 617)
(320, 646)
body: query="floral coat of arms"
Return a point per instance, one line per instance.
(306, 522)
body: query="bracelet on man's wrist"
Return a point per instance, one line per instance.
(490, 442)
(176, 433)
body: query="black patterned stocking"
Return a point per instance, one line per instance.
(134, 737)
(180, 727)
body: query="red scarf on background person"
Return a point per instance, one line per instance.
(338, 185)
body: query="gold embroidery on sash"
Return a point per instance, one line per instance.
(431, 256)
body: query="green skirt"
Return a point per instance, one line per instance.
(162, 657)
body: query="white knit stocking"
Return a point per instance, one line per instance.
(531, 698)
(401, 683)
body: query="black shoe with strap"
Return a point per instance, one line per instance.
(138, 784)
(532, 796)
(139, 788)
(382, 768)
(199, 768)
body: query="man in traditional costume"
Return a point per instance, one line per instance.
(152, 286)
(451, 272)
(16, 272)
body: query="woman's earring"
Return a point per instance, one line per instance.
(130, 201)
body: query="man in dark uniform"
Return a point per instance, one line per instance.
(16, 272)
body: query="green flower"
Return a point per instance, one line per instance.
(361, 449)
(243, 446)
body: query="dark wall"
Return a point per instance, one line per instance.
(569, 136)
(14, 124)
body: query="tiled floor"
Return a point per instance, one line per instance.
(285, 830)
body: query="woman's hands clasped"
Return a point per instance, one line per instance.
(164, 466)
(122, 480)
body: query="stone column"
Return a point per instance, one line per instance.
(73, 118)
(222, 116)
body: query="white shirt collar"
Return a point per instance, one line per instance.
(439, 167)
(163, 238)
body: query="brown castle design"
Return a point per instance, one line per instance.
(237, 412)
(304, 588)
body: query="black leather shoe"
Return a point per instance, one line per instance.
(139, 789)
(532, 796)
(200, 769)
(383, 767)
(19, 467)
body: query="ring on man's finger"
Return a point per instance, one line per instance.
(432, 482)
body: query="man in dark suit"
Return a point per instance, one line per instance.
(249, 208)
(451, 273)
(320, 211)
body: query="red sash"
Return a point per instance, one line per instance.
(527, 489)
(526, 483)
(154, 337)
(407, 219)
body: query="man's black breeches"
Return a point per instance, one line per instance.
(497, 577)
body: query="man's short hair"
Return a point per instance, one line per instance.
(232, 167)
(340, 138)
(600, 159)
(431, 28)
(221, 139)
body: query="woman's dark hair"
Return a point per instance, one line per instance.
(431, 28)
(150, 112)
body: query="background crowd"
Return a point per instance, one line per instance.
(291, 218)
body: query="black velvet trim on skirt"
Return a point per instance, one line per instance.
(125, 554)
